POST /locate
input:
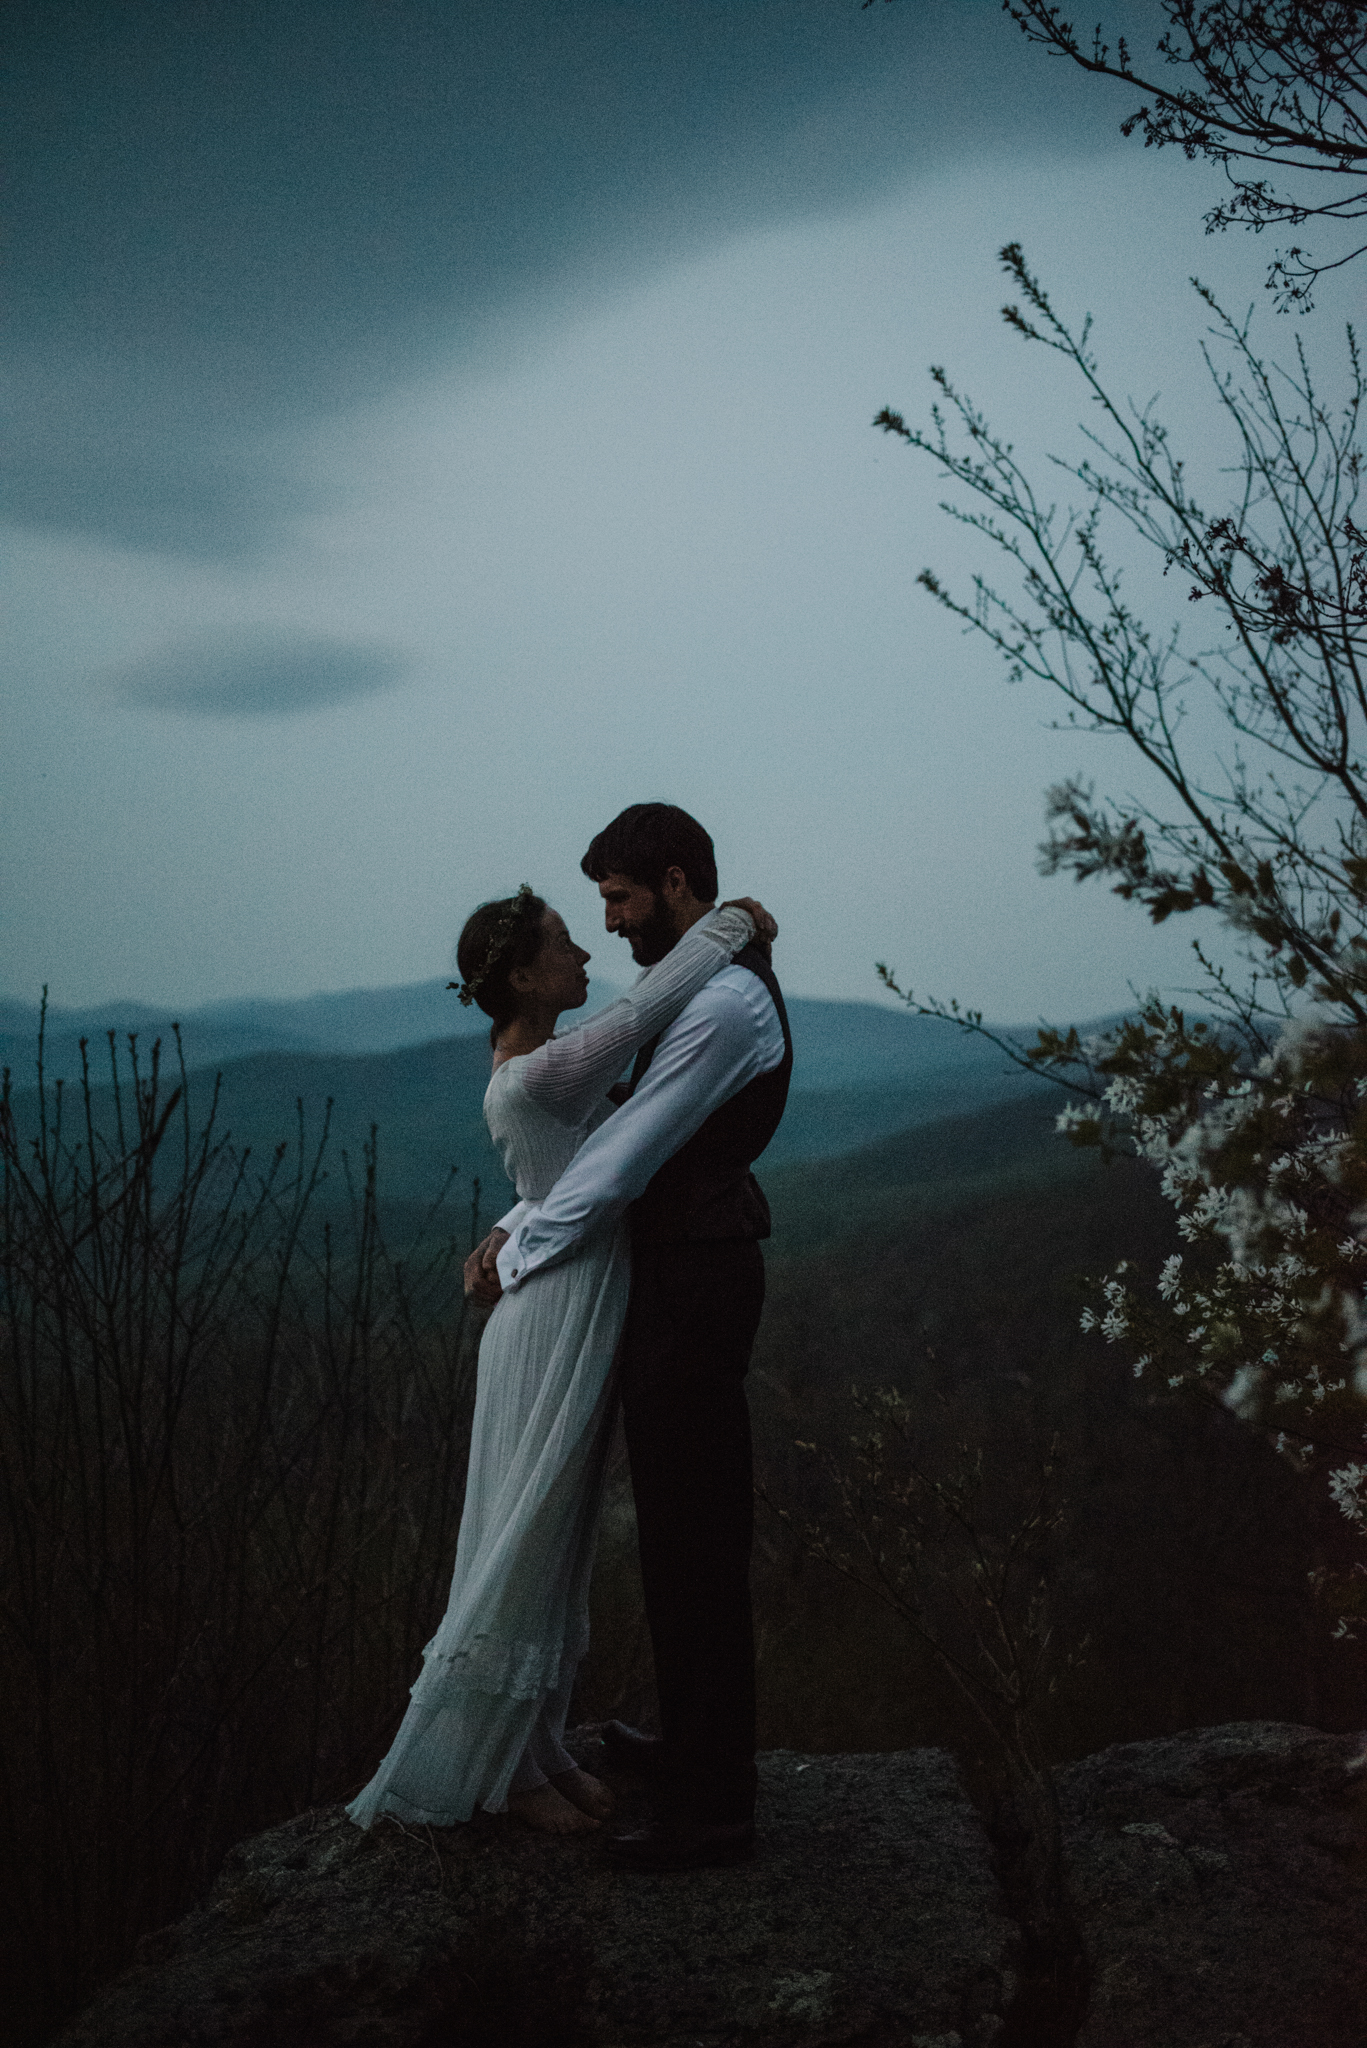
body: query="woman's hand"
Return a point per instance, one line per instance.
(766, 927)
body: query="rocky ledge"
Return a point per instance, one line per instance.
(1220, 1880)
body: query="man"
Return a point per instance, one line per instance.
(704, 1100)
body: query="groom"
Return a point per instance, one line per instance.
(705, 1098)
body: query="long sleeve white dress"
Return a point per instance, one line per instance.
(488, 1708)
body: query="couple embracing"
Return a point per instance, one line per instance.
(630, 1269)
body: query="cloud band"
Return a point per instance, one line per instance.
(257, 674)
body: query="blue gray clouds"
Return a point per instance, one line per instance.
(232, 217)
(436, 425)
(250, 673)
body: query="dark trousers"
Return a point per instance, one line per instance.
(690, 1327)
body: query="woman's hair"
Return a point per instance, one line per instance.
(646, 839)
(497, 938)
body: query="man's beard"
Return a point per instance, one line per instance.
(653, 938)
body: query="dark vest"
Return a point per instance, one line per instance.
(707, 1191)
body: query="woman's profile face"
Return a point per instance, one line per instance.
(556, 978)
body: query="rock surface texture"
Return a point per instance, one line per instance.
(870, 1915)
(1219, 1878)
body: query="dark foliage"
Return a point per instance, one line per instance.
(231, 1449)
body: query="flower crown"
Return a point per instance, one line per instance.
(499, 941)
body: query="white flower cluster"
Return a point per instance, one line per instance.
(1114, 1322)
(1124, 1095)
(1255, 1160)
(1245, 1217)
(1348, 1488)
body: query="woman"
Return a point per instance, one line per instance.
(486, 1717)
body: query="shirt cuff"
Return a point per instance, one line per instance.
(512, 1259)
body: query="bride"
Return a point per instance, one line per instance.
(486, 1718)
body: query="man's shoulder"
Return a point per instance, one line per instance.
(718, 998)
(735, 1000)
(742, 979)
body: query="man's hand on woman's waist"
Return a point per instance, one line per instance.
(482, 1284)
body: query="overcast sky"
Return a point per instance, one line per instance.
(439, 425)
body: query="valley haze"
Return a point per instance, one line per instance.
(413, 1062)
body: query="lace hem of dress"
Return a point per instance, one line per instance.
(493, 1664)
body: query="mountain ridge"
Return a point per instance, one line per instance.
(863, 1072)
(390, 1019)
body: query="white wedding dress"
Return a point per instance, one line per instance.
(490, 1703)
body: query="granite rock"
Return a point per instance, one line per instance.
(1220, 1880)
(870, 1915)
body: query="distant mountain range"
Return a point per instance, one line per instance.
(353, 1021)
(412, 1062)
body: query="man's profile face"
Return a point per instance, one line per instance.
(636, 913)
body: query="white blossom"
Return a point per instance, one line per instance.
(1123, 1095)
(1348, 1488)
(1241, 1395)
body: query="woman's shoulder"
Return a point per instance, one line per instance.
(506, 1093)
(505, 1074)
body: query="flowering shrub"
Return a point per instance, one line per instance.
(1254, 1111)
(1265, 1162)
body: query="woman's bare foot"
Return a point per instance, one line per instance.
(585, 1792)
(550, 1811)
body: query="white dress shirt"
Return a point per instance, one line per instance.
(725, 1038)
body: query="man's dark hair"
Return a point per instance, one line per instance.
(645, 840)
